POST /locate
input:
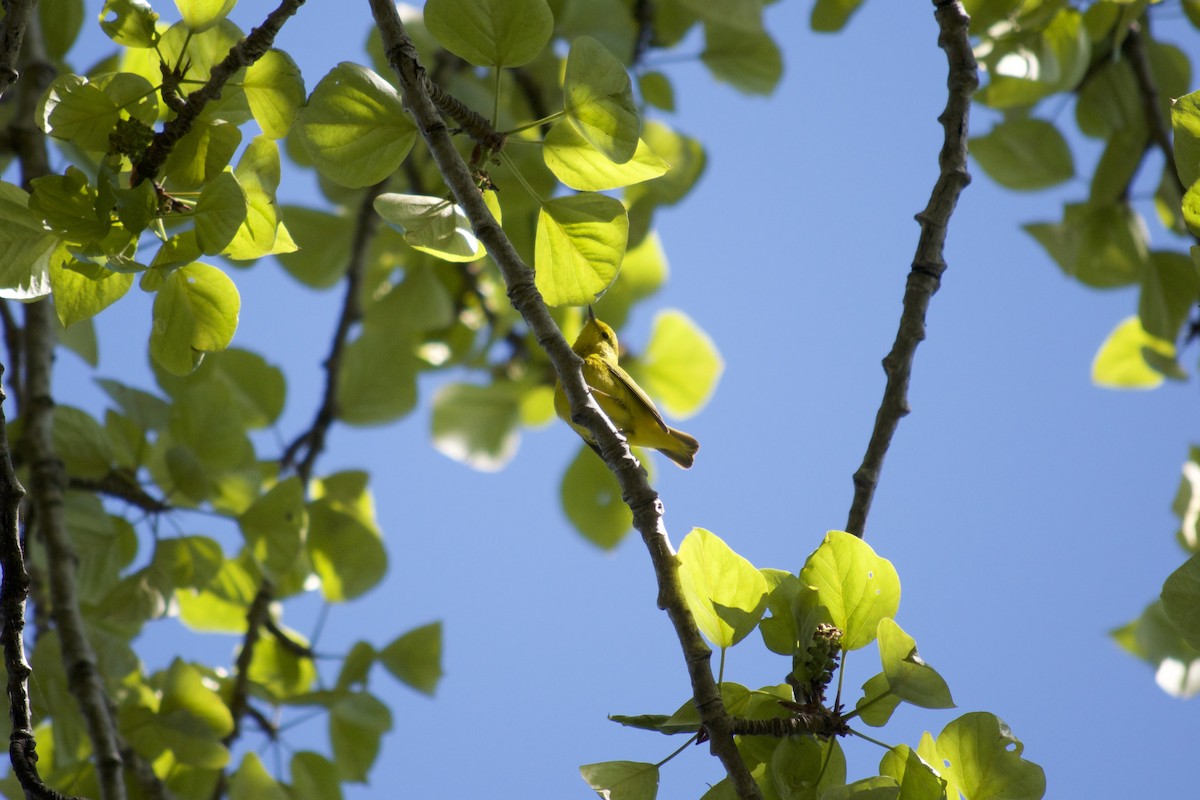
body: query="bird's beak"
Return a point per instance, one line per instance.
(591, 314)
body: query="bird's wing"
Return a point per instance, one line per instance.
(640, 395)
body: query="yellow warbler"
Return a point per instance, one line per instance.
(630, 410)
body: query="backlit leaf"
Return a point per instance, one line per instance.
(726, 594)
(354, 127)
(858, 587)
(580, 243)
(501, 33)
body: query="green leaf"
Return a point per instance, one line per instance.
(1179, 598)
(724, 591)
(275, 527)
(476, 425)
(656, 90)
(279, 671)
(186, 561)
(256, 389)
(81, 443)
(25, 248)
(314, 778)
(1169, 289)
(71, 206)
(830, 16)
(105, 545)
(357, 721)
(500, 33)
(378, 379)
(416, 657)
(202, 154)
(1025, 69)
(580, 243)
(879, 787)
(857, 586)
(578, 164)
(356, 667)
(1024, 153)
(1153, 638)
(200, 15)
(253, 782)
(745, 15)
(803, 768)
(79, 295)
(1099, 245)
(275, 91)
(749, 61)
(220, 605)
(917, 779)
(908, 676)
(60, 25)
(131, 23)
(219, 212)
(681, 366)
(1121, 362)
(193, 709)
(985, 760)
(323, 241)
(79, 112)
(591, 499)
(878, 702)
(354, 127)
(195, 312)
(431, 224)
(260, 233)
(598, 97)
(622, 780)
(1185, 122)
(347, 555)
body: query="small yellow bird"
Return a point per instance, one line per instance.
(631, 411)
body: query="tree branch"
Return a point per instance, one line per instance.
(250, 49)
(642, 500)
(16, 20)
(312, 441)
(14, 590)
(48, 479)
(929, 262)
(1160, 129)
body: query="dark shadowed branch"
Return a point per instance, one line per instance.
(14, 589)
(642, 500)
(929, 262)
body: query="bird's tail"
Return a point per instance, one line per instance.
(683, 449)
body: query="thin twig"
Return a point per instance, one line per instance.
(247, 51)
(312, 441)
(929, 262)
(642, 500)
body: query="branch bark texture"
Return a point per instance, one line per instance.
(247, 51)
(929, 262)
(642, 500)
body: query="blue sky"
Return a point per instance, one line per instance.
(1026, 510)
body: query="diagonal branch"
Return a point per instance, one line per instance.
(642, 500)
(247, 51)
(929, 262)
